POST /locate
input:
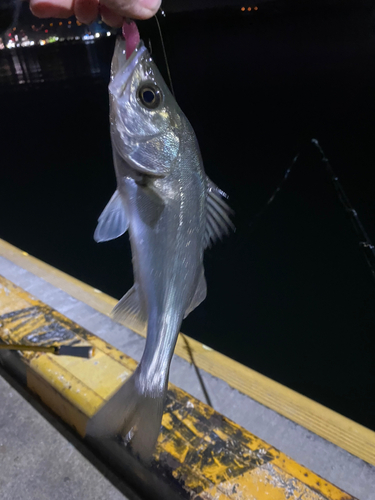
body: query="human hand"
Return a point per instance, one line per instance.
(86, 11)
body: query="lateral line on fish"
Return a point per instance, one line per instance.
(188, 348)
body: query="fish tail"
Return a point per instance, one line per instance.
(135, 413)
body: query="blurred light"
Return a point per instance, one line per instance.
(97, 35)
(242, 8)
(42, 42)
(32, 43)
(60, 23)
(100, 22)
(78, 23)
(255, 8)
(69, 22)
(249, 9)
(14, 29)
(51, 24)
(45, 31)
(108, 33)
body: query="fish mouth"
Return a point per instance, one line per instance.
(122, 68)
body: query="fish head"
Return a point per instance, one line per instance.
(145, 118)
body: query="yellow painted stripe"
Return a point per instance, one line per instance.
(204, 454)
(337, 429)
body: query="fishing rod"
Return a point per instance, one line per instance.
(365, 242)
(58, 350)
(277, 190)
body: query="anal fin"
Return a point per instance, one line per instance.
(199, 295)
(131, 310)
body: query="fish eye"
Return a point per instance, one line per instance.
(149, 95)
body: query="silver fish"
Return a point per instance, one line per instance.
(172, 212)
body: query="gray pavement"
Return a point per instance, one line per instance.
(322, 457)
(41, 460)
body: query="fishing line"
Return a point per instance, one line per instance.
(203, 386)
(164, 51)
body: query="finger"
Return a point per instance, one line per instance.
(86, 11)
(110, 17)
(136, 9)
(52, 8)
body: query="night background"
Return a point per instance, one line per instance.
(290, 293)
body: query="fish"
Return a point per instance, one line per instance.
(172, 212)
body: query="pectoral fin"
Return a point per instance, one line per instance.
(218, 212)
(113, 222)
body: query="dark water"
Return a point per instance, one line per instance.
(291, 295)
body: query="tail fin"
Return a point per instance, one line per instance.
(133, 414)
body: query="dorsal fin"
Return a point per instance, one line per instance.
(218, 215)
